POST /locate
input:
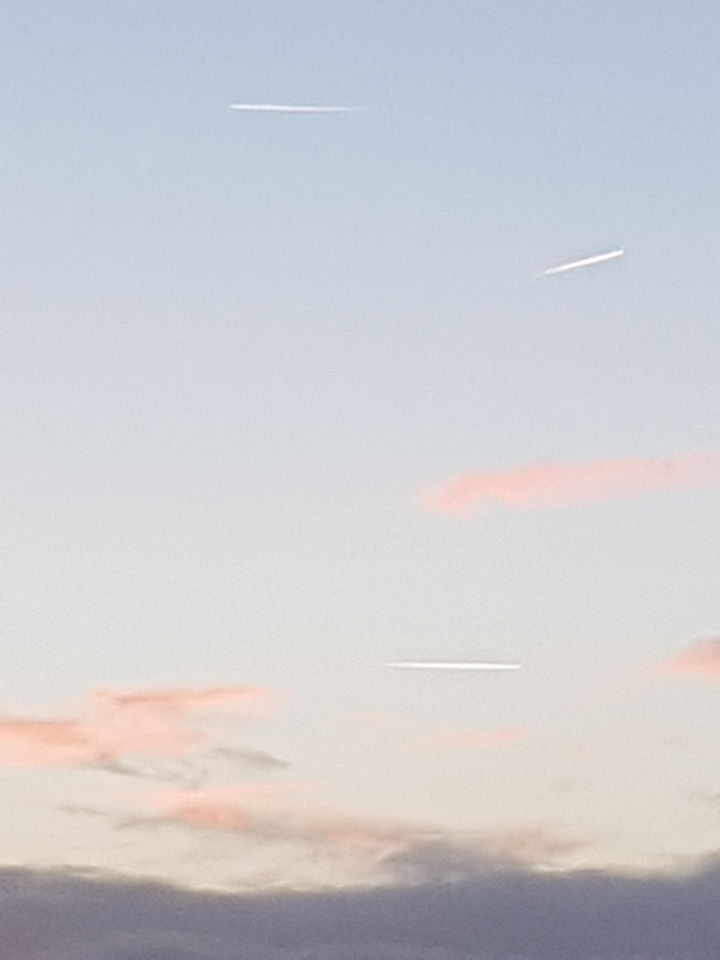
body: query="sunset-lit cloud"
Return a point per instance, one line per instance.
(700, 660)
(548, 485)
(38, 742)
(26, 741)
(272, 815)
(112, 731)
(451, 740)
(251, 700)
(270, 812)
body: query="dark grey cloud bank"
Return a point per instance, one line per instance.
(518, 914)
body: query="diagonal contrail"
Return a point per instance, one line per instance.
(288, 108)
(454, 665)
(586, 262)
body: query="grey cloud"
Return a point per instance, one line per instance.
(503, 915)
(186, 773)
(246, 757)
(447, 857)
(79, 810)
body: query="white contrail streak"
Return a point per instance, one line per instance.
(457, 665)
(587, 262)
(288, 108)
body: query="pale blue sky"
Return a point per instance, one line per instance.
(238, 346)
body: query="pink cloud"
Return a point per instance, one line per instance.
(112, 726)
(240, 808)
(179, 700)
(538, 486)
(29, 742)
(532, 844)
(700, 660)
(450, 740)
(266, 814)
(271, 812)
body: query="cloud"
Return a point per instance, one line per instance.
(244, 757)
(271, 814)
(459, 666)
(700, 660)
(459, 739)
(113, 731)
(189, 774)
(507, 914)
(26, 741)
(29, 741)
(249, 700)
(447, 857)
(540, 486)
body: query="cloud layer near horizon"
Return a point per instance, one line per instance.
(374, 848)
(548, 485)
(518, 914)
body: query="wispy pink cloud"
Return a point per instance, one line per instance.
(271, 812)
(240, 808)
(700, 659)
(268, 814)
(539, 486)
(30, 742)
(458, 739)
(178, 700)
(37, 742)
(111, 727)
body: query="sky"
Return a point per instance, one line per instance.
(289, 396)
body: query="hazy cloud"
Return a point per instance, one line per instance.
(102, 739)
(700, 660)
(447, 857)
(121, 732)
(454, 666)
(540, 486)
(468, 739)
(245, 757)
(249, 700)
(28, 741)
(272, 814)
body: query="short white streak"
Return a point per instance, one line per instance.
(435, 665)
(587, 262)
(287, 108)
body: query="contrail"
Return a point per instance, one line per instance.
(587, 262)
(288, 108)
(456, 665)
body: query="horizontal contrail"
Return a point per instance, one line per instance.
(587, 262)
(288, 108)
(454, 665)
